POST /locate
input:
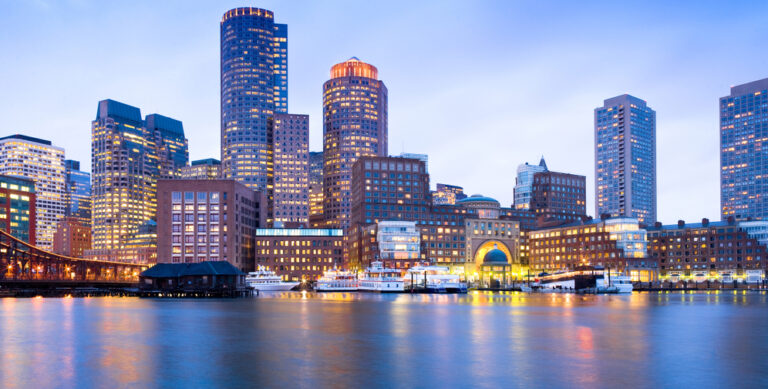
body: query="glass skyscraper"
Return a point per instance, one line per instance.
(354, 125)
(128, 156)
(254, 86)
(524, 183)
(744, 152)
(77, 199)
(625, 159)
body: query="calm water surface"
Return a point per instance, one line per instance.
(365, 340)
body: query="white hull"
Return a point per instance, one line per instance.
(383, 286)
(283, 286)
(336, 289)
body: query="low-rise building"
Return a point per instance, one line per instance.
(18, 208)
(715, 251)
(72, 237)
(298, 254)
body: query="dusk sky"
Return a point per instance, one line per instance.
(480, 87)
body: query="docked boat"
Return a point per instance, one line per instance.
(622, 284)
(377, 278)
(265, 280)
(433, 279)
(337, 281)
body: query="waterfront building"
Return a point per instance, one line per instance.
(215, 276)
(299, 254)
(618, 244)
(202, 169)
(38, 160)
(254, 86)
(725, 251)
(17, 208)
(77, 192)
(447, 194)
(208, 220)
(625, 159)
(559, 198)
(288, 188)
(354, 125)
(72, 237)
(398, 240)
(524, 183)
(743, 136)
(128, 156)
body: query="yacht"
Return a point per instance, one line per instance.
(265, 280)
(337, 281)
(377, 278)
(623, 284)
(433, 279)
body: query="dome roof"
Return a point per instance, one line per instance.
(495, 256)
(477, 198)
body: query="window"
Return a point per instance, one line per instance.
(176, 197)
(189, 197)
(202, 197)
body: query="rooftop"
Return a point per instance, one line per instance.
(27, 138)
(171, 270)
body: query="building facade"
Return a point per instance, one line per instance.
(559, 197)
(709, 251)
(618, 244)
(524, 183)
(202, 169)
(72, 237)
(447, 194)
(38, 160)
(354, 125)
(254, 86)
(743, 166)
(17, 208)
(208, 220)
(127, 159)
(299, 254)
(288, 188)
(77, 194)
(625, 159)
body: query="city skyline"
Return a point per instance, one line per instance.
(687, 132)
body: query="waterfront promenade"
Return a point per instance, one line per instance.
(304, 339)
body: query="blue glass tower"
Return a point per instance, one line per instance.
(77, 199)
(744, 151)
(625, 159)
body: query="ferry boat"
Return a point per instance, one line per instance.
(337, 281)
(377, 278)
(621, 284)
(433, 279)
(265, 280)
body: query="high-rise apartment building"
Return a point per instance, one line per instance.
(354, 125)
(743, 166)
(77, 195)
(524, 183)
(128, 156)
(38, 160)
(254, 86)
(17, 208)
(288, 188)
(625, 159)
(202, 169)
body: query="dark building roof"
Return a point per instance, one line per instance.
(116, 109)
(206, 161)
(495, 256)
(543, 163)
(172, 270)
(477, 198)
(27, 138)
(156, 121)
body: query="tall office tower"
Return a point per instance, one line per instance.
(354, 125)
(172, 147)
(625, 159)
(316, 189)
(128, 156)
(38, 160)
(202, 169)
(316, 168)
(254, 86)
(288, 188)
(743, 141)
(77, 195)
(524, 183)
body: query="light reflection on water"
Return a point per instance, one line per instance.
(349, 339)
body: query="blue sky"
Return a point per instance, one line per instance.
(480, 86)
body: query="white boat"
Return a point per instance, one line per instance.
(377, 278)
(433, 279)
(337, 281)
(622, 283)
(265, 280)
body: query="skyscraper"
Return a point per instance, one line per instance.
(524, 183)
(354, 125)
(254, 86)
(743, 145)
(289, 181)
(625, 159)
(128, 156)
(38, 160)
(77, 197)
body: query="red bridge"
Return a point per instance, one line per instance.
(22, 263)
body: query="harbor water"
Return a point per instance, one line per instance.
(305, 339)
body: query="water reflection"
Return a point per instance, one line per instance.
(349, 339)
